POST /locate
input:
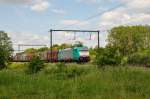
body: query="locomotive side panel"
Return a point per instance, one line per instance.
(67, 54)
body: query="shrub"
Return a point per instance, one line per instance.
(92, 55)
(124, 61)
(35, 65)
(107, 56)
(140, 58)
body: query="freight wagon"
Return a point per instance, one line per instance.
(76, 54)
(46, 56)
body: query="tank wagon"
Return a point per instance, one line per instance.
(75, 54)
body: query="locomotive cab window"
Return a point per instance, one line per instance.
(84, 52)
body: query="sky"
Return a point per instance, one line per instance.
(28, 21)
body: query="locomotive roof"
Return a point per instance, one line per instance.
(81, 48)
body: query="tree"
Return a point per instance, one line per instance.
(5, 49)
(55, 46)
(129, 39)
(64, 45)
(30, 50)
(107, 56)
(78, 44)
(35, 65)
(42, 49)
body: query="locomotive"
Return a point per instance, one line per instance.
(75, 54)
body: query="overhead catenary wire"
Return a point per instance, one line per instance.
(93, 16)
(88, 19)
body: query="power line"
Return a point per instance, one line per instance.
(94, 16)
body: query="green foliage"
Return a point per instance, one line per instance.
(107, 56)
(92, 54)
(140, 58)
(124, 61)
(74, 71)
(5, 49)
(60, 67)
(62, 46)
(17, 65)
(30, 50)
(129, 39)
(35, 65)
(42, 49)
(111, 83)
(67, 71)
(78, 44)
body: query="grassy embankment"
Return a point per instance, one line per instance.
(86, 82)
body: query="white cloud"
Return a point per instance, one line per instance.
(28, 38)
(40, 6)
(133, 13)
(58, 11)
(139, 4)
(35, 5)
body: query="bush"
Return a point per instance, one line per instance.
(35, 65)
(124, 61)
(107, 56)
(92, 55)
(140, 58)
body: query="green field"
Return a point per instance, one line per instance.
(76, 82)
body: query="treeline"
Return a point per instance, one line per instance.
(54, 47)
(126, 45)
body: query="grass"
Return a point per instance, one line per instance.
(88, 83)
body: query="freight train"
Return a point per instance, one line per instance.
(75, 54)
